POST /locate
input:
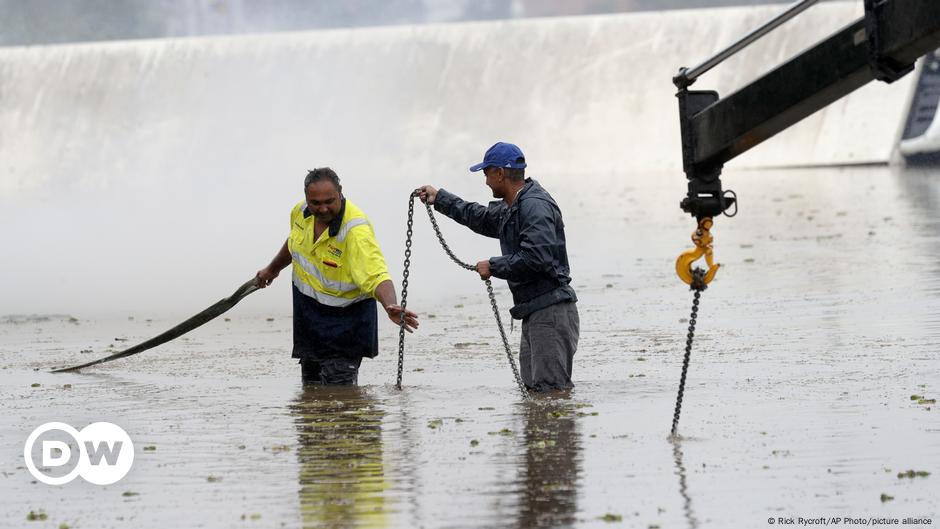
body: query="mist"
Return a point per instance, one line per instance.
(156, 176)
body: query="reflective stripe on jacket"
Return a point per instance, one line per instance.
(344, 265)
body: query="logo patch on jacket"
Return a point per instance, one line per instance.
(335, 251)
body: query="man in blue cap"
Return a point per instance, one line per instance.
(534, 262)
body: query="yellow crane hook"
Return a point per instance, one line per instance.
(702, 238)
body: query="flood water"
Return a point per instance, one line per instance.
(822, 324)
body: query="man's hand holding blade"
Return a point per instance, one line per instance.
(266, 276)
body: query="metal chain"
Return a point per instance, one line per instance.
(466, 266)
(404, 290)
(502, 334)
(440, 237)
(698, 285)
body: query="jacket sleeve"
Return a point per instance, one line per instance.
(537, 241)
(368, 267)
(481, 219)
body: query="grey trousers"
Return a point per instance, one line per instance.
(549, 341)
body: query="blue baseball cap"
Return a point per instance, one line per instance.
(501, 155)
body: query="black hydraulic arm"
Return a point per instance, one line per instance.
(882, 45)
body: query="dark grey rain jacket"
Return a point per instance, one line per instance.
(532, 238)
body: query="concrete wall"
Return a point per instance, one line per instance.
(588, 92)
(158, 175)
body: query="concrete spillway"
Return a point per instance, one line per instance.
(158, 174)
(588, 92)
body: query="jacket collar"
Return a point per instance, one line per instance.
(529, 184)
(337, 222)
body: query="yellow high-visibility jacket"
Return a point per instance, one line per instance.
(344, 265)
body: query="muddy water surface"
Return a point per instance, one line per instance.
(822, 325)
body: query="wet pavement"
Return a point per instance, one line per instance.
(822, 324)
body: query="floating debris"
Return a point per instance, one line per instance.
(927, 401)
(486, 408)
(418, 369)
(276, 449)
(36, 516)
(436, 423)
(149, 448)
(474, 442)
(241, 447)
(610, 517)
(270, 319)
(911, 474)
(885, 497)
(213, 479)
(506, 432)
(35, 385)
(66, 386)
(541, 445)
(917, 397)
(128, 494)
(588, 413)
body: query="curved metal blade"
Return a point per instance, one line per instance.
(196, 321)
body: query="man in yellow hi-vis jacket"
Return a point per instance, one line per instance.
(338, 274)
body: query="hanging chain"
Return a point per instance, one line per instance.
(466, 266)
(502, 334)
(404, 290)
(698, 285)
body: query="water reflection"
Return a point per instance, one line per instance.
(552, 464)
(342, 476)
(683, 488)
